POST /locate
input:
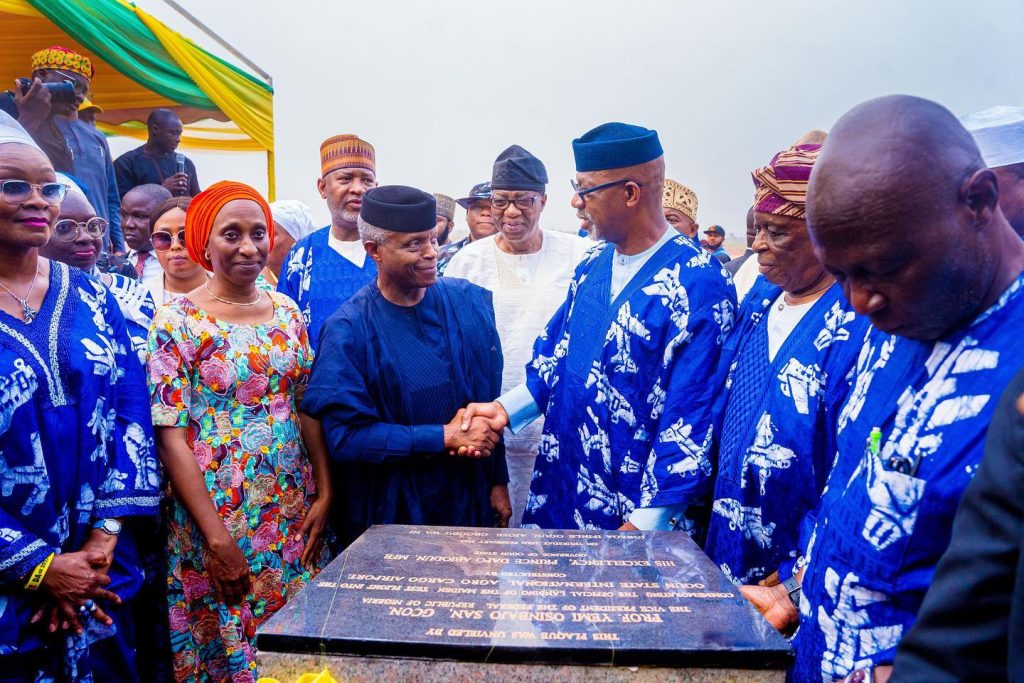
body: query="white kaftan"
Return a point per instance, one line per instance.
(527, 291)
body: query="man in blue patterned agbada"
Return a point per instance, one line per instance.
(623, 371)
(946, 309)
(783, 373)
(323, 270)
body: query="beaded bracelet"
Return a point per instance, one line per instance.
(38, 573)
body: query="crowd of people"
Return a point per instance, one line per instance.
(191, 431)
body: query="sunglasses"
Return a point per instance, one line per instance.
(18, 191)
(162, 241)
(68, 230)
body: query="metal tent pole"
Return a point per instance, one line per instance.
(220, 41)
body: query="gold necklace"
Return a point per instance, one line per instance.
(27, 311)
(259, 295)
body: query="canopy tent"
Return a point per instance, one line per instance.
(141, 65)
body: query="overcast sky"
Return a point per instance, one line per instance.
(440, 88)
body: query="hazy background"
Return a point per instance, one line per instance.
(440, 88)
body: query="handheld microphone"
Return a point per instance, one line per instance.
(180, 158)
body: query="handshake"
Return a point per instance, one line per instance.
(475, 430)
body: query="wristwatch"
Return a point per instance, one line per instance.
(108, 526)
(792, 587)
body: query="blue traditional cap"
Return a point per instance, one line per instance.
(517, 169)
(399, 208)
(615, 145)
(479, 191)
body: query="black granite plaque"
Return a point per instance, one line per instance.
(526, 596)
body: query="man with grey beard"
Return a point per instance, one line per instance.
(324, 269)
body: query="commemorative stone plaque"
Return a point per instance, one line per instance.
(560, 599)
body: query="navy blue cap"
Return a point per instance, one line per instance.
(399, 208)
(479, 191)
(615, 145)
(715, 230)
(517, 169)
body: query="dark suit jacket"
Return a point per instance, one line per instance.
(971, 625)
(137, 167)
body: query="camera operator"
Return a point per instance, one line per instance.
(47, 107)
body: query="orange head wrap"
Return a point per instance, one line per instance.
(203, 210)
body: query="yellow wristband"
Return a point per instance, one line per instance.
(38, 573)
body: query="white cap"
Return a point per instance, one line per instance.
(999, 134)
(294, 217)
(11, 131)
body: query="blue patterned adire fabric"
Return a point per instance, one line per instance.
(886, 515)
(626, 390)
(320, 280)
(136, 306)
(75, 445)
(773, 418)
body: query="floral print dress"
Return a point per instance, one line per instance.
(232, 386)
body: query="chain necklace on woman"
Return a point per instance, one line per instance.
(209, 291)
(27, 311)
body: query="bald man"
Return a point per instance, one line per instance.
(947, 309)
(157, 161)
(137, 206)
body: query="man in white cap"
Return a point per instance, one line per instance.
(295, 221)
(999, 134)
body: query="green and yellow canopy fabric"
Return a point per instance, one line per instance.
(141, 64)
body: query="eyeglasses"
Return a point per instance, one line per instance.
(68, 230)
(162, 241)
(522, 203)
(584, 191)
(18, 191)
